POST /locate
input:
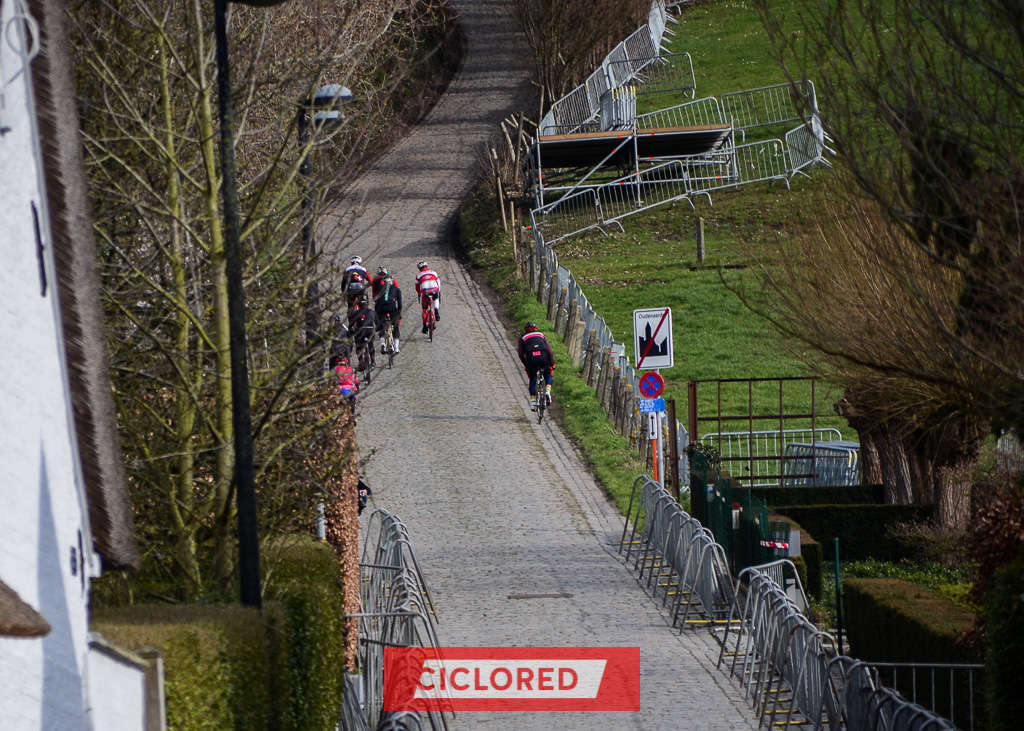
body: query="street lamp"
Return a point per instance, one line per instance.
(325, 106)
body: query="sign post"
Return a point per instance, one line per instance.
(653, 421)
(673, 446)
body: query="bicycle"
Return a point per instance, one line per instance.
(364, 359)
(431, 314)
(540, 383)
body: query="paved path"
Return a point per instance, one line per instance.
(496, 505)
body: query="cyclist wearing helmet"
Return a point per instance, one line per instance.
(354, 280)
(378, 281)
(535, 352)
(388, 306)
(428, 287)
(348, 381)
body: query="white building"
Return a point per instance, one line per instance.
(64, 510)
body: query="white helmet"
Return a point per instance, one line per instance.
(422, 265)
(357, 260)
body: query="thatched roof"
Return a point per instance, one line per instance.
(18, 619)
(99, 445)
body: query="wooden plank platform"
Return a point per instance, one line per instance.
(582, 149)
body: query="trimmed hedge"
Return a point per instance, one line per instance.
(228, 667)
(862, 530)
(216, 660)
(891, 620)
(306, 580)
(839, 495)
(1004, 624)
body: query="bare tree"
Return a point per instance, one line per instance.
(910, 288)
(146, 83)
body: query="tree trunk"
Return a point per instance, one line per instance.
(225, 460)
(953, 496)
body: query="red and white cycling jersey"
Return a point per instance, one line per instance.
(427, 282)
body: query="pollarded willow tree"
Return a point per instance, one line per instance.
(147, 82)
(911, 291)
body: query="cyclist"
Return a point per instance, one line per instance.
(428, 287)
(354, 280)
(535, 352)
(348, 381)
(378, 281)
(363, 326)
(388, 306)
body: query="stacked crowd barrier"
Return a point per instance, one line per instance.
(791, 672)
(678, 555)
(581, 108)
(395, 611)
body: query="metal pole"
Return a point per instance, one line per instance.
(673, 446)
(245, 473)
(308, 233)
(839, 595)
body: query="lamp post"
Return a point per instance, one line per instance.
(324, 107)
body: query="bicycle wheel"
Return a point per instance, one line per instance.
(431, 317)
(542, 401)
(389, 343)
(368, 360)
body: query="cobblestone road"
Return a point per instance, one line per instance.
(496, 505)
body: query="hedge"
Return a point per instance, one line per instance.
(862, 530)
(229, 667)
(307, 582)
(216, 660)
(1004, 624)
(891, 620)
(840, 495)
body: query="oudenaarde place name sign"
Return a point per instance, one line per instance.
(652, 338)
(512, 679)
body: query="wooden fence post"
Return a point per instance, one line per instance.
(590, 366)
(542, 281)
(575, 343)
(560, 318)
(552, 301)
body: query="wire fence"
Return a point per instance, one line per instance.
(791, 672)
(395, 612)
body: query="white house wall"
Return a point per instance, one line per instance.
(43, 528)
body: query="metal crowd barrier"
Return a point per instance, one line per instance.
(770, 105)
(678, 555)
(395, 611)
(628, 59)
(755, 456)
(790, 671)
(789, 668)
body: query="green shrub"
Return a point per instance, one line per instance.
(862, 530)
(855, 494)
(890, 620)
(1004, 623)
(813, 556)
(306, 581)
(228, 667)
(217, 660)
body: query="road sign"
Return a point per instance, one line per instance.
(652, 338)
(651, 405)
(652, 426)
(652, 384)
